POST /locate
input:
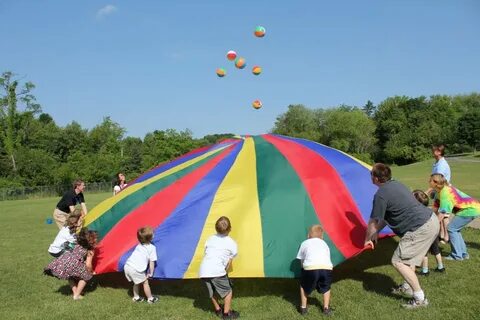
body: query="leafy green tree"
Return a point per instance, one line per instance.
(10, 95)
(369, 109)
(300, 122)
(469, 128)
(350, 131)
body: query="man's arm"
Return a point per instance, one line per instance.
(374, 226)
(84, 208)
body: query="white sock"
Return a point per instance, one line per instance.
(419, 295)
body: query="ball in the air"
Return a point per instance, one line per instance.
(231, 55)
(256, 70)
(240, 63)
(221, 72)
(259, 32)
(257, 104)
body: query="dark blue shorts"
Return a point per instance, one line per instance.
(319, 279)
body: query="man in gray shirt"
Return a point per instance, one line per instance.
(416, 225)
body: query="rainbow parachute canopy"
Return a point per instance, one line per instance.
(273, 188)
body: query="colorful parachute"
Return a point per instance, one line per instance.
(271, 187)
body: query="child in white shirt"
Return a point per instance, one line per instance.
(316, 269)
(142, 259)
(66, 237)
(220, 249)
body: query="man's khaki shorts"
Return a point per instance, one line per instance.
(413, 246)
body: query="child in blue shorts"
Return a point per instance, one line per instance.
(316, 269)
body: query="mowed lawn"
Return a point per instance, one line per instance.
(361, 289)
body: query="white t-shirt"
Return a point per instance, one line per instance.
(219, 250)
(63, 236)
(315, 254)
(117, 188)
(141, 256)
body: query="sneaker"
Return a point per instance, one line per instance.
(466, 256)
(232, 314)
(402, 290)
(152, 300)
(439, 270)
(303, 311)
(452, 258)
(138, 299)
(421, 273)
(413, 304)
(327, 311)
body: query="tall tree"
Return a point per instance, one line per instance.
(9, 115)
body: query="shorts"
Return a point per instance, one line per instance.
(320, 279)
(414, 245)
(134, 276)
(435, 247)
(221, 285)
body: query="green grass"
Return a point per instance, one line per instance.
(360, 290)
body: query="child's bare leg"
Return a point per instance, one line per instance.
(425, 263)
(303, 298)
(445, 223)
(136, 293)
(215, 303)
(227, 302)
(326, 299)
(73, 285)
(146, 289)
(80, 286)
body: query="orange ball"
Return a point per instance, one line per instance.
(240, 63)
(257, 104)
(256, 70)
(221, 72)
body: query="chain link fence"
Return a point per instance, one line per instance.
(21, 193)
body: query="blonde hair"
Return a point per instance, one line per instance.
(439, 180)
(145, 235)
(315, 231)
(223, 226)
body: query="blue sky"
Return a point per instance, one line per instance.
(151, 64)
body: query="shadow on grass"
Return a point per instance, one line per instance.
(287, 289)
(90, 287)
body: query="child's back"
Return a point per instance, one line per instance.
(315, 254)
(219, 250)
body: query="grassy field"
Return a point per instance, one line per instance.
(361, 289)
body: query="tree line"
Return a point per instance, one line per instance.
(35, 151)
(399, 130)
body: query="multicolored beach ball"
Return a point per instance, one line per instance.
(240, 63)
(256, 70)
(257, 104)
(221, 72)
(231, 55)
(259, 31)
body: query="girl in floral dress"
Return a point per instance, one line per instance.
(76, 265)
